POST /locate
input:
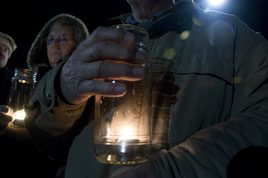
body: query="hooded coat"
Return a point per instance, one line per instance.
(210, 98)
(37, 59)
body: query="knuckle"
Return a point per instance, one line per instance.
(99, 46)
(120, 34)
(96, 50)
(97, 33)
(100, 69)
(82, 45)
(93, 52)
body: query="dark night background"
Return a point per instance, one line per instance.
(24, 19)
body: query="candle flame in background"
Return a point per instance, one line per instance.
(19, 115)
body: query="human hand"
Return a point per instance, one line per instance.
(140, 171)
(5, 118)
(107, 54)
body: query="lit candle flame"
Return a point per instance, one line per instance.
(126, 133)
(19, 115)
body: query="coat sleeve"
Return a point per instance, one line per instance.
(206, 154)
(50, 121)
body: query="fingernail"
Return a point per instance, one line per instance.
(138, 71)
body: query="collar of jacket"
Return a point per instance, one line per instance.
(178, 19)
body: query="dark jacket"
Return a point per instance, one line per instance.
(5, 81)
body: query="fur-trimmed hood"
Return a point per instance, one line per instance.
(37, 55)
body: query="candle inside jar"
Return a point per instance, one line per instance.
(125, 139)
(126, 133)
(19, 115)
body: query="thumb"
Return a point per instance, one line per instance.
(4, 108)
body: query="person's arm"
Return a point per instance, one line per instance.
(50, 121)
(60, 99)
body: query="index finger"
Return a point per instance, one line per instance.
(110, 34)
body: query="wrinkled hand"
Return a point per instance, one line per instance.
(4, 118)
(140, 171)
(107, 54)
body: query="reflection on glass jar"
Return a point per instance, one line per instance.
(122, 126)
(21, 90)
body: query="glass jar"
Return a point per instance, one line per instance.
(122, 125)
(22, 88)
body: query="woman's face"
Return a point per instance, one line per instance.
(60, 43)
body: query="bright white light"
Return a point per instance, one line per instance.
(19, 115)
(216, 2)
(126, 133)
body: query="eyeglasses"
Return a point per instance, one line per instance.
(4, 49)
(62, 40)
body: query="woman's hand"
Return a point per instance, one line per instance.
(5, 118)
